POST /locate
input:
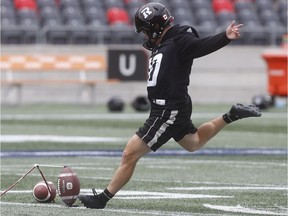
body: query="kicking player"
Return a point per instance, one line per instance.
(173, 48)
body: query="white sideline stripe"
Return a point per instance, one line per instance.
(227, 188)
(52, 138)
(134, 195)
(127, 211)
(33, 204)
(103, 116)
(240, 209)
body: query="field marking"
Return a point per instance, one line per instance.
(227, 188)
(162, 195)
(240, 209)
(54, 138)
(112, 116)
(126, 211)
(165, 181)
(118, 153)
(136, 195)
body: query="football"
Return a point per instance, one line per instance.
(68, 186)
(41, 193)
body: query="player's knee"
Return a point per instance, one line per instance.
(192, 148)
(129, 156)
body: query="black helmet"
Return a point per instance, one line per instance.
(152, 18)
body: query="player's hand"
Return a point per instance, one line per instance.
(232, 30)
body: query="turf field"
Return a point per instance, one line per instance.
(242, 171)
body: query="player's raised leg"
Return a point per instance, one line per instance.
(192, 142)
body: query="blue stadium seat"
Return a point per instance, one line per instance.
(183, 16)
(69, 3)
(93, 14)
(198, 4)
(7, 12)
(92, 3)
(46, 3)
(49, 13)
(243, 5)
(7, 3)
(263, 5)
(114, 3)
(225, 17)
(203, 15)
(179, 4)
(72, 15)
(246, 15)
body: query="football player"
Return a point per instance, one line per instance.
(173, 48)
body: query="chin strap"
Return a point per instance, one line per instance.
(149, 45)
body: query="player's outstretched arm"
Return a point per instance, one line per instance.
(232, 30)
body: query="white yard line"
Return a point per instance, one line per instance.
(54, 138)
(240, 209)
(228, 188)
(111, 116)
(126, 211)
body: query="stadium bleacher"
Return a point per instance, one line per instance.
(111, 21)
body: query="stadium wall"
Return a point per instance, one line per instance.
(233, 74)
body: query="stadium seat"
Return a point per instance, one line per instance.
(56, 34)
(268, 16)
(7, 12)
(225, 17)
(183, 16)
(122, 33)
(203, 15)
(51, 21)
(179, 4)
(206, 28)
(69, 3)
(10, 32)
(198, 4)
(94, 13)
(134, 3)
(7, 3)
(72, 15)
(116, 15)
(46, 3)
(114, 4)
(245, 15)
(164, 2)
(243, 5)
(92, 3)
(79, 35)
(263, 5)
(222, 5)
(283, 17)
(27, 13)
(47, 13)
(8, 21)
(254, 33)
(22, 4)
(104, 18)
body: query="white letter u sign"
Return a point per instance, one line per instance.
(127, 68)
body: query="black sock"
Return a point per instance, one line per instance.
(228, 118)
(105, 196)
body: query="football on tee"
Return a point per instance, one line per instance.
(42, 194)
(68, 186)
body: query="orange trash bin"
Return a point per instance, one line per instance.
(277, 71)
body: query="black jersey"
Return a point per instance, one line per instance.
(171, 61)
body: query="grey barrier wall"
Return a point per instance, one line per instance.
(232, 74)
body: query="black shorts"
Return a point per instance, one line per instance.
(162, 125)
